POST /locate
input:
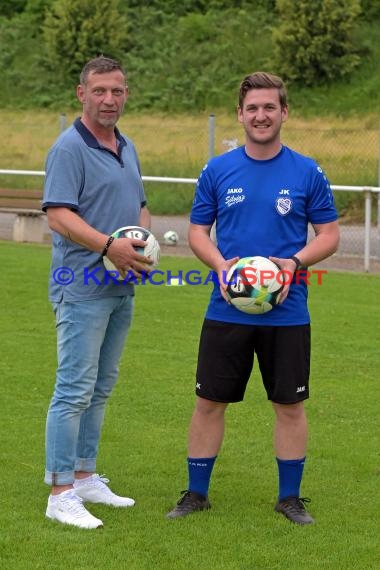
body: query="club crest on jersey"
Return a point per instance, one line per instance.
(283, 206)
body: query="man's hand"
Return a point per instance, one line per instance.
(288, 266)
(126, 259)
(222, 272)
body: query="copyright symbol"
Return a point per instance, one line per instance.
(63, 275)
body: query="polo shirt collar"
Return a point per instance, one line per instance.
(89, 138)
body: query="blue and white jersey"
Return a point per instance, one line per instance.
(262, 207)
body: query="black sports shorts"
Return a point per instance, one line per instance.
(226, 356)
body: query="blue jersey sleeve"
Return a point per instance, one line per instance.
(204, 207)
(320, 205)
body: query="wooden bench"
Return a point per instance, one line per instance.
(26, 205)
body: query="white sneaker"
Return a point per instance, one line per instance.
(67, 508)
(94, 489)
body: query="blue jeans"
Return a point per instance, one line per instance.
(90, 339)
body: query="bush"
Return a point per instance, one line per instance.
(75, 31)
(313, 42)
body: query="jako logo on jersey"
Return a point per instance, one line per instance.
(283, 206)
(234, 196)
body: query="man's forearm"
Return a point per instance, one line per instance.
(74, 228)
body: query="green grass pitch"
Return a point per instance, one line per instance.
(143, 448)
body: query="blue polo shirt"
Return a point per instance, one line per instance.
(263, 207)
(105, 189)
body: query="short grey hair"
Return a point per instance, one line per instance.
(100, 64)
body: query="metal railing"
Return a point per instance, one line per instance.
(369, 193)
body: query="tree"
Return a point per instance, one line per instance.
(35, 11)
(370, 10)
(313, 43)
(10, 8)
(77, 30)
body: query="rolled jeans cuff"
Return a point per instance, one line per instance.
(63, 478)
(86, 465)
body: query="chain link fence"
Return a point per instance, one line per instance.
(351, 159)
(178, 147)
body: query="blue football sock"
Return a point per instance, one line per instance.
(290, 476)
(200, 469)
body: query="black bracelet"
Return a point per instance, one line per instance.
(107, 246)
(297, 262)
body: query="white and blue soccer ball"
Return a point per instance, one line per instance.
(151, 249)
(171, 237)
(254, 285)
